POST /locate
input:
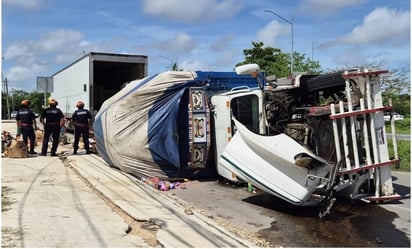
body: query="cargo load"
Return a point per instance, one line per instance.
(306, 139)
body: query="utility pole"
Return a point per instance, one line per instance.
(314, 46)
(3, 94)
(291, 23)
(6, 86)
(6, 90)
(312, 55)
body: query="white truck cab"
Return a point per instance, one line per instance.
(245, 105)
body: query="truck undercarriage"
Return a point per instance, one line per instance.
(354, 140)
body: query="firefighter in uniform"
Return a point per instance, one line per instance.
(82, 120)
(52, 119)
(25, 120)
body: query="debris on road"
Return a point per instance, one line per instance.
(163, 185)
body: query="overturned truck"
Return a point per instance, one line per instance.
(306, 139)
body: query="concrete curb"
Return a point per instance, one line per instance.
(177, 229)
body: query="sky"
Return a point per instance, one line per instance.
(41, 37)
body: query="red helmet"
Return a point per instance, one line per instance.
(25, 102)
(80, 104)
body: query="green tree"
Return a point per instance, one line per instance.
(396, 86)
(176, 67)
(396, 82)
(303, 64)
(274, 62)
(16, 97)
(37, 101)
(4, 105)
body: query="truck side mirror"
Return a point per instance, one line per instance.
(247, 69)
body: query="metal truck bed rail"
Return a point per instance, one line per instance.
(364, 137)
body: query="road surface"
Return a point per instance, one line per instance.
(284, 225)
(260, 217)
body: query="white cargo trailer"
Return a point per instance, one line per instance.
(94, 78)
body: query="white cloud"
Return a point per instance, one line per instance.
(19, 50)
(222, 42)
(60, 40)
(18, 74)
(381, 26)
(192, 11)
(54, 41)
(31, 58)
(269, 34)
(155, 32)
(194, 65)
(226, 59)
(183, 42)
(180, 43)
(27, 4)
(324, 8)
(66, 43)
(111, 18)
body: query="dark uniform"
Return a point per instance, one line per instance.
(54, 121)
(25, 119)
(81, 118)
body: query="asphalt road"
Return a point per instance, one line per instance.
(284, 225)
(400, 136)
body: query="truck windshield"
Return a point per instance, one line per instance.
(246, 110)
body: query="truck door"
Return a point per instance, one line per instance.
(245, 106)
(246, 110)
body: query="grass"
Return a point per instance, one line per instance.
(401, 126)
(404, 146)
(404, 154)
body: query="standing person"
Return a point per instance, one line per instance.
(82, 119)
(25, 120)
(54, 122)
